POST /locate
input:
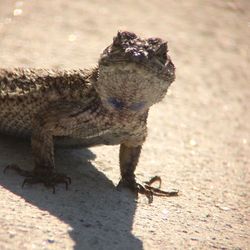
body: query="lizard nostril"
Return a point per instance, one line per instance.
(116, 103)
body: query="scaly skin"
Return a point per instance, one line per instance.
(81, 108)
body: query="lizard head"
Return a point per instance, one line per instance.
(134, 73)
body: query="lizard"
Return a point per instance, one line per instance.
(104, 105)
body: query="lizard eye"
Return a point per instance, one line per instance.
(116, 103)
(137, 106)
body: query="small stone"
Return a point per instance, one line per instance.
(72, 37)
(193, 142)
(224, 208)
(195, 239)
(17, 12)
(165, 213)
(244, 141)
(12, 234)
(87, 225)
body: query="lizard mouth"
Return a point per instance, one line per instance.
(116, 103)
(121, 105)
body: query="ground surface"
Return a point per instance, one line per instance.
(199, 138)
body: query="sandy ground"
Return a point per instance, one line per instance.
(199, 140)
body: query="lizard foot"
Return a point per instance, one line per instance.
(146, 188)
(48, 178)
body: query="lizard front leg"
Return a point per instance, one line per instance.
(129, 157)
(43, 153)
(45, 126)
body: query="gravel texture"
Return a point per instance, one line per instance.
(199, 140)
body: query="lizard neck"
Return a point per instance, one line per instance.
(104, 110)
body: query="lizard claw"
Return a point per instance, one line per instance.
(49, 181)
(48, 178)
(147, 189)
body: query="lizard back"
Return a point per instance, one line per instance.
(25, 92)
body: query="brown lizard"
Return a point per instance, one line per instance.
(81, 108)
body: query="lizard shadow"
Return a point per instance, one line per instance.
(99, 216)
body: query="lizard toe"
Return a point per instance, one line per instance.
(49, 181)
(146, 188)
(48, 178)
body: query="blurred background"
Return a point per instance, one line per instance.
(198, 136)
